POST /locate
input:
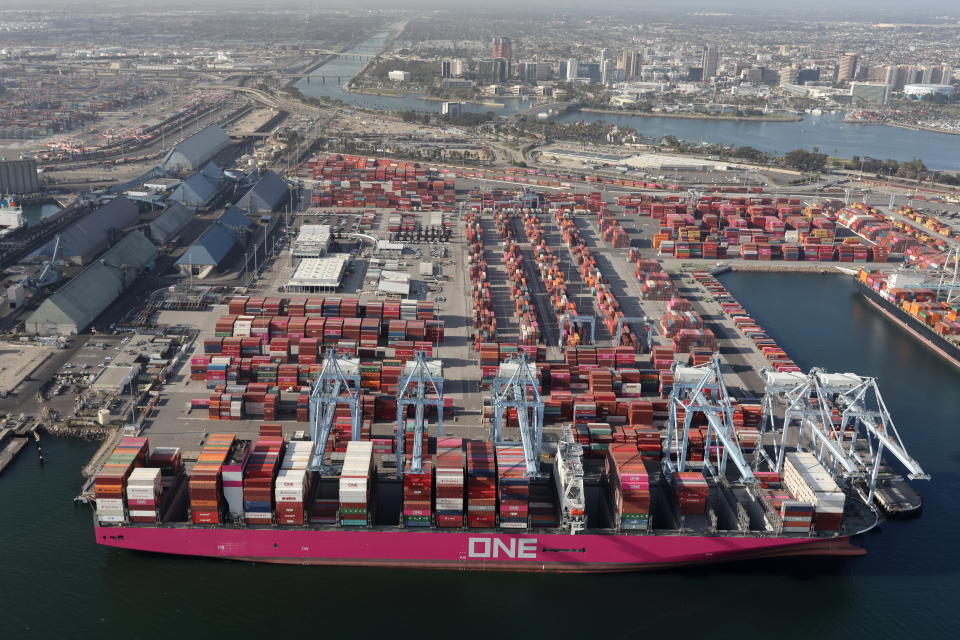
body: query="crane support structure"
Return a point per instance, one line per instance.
(516, 387)
(701, 390)
(645, 335)
(569, 320)
(339, 383)
(569, 480)
(844, 417)
(421, 386)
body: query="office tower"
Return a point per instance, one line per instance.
(446, 69)
(571, 69)
(711, 58)
(502, 48)
(847, 67)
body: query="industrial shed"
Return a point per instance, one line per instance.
(77, 304)
(88, 236)
(169, 223)
(198, 190)
(210, 249)
(266, 195)
(192, 153)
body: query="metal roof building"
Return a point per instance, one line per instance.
(204, 255)
(89, 235)
(192, 153)
(315, 275)
(77, 304)
(197, 190)
(169, 223)
(313, 241)
(266, 195)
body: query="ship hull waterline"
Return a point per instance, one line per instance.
(465, 551)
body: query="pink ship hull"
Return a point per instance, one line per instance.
(464, 550)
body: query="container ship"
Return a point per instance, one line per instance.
(483, 513)
(904, 299)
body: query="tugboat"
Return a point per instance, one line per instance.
(11, 215)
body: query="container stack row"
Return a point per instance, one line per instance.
(356, 484)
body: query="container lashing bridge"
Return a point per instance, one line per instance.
(515, 387)
(420, 387)
(337, 385)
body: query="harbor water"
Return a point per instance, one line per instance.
(56, 583)
(34, 213)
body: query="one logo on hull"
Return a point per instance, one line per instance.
(511, 548)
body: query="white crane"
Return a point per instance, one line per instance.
(339, 383)
(691, 386)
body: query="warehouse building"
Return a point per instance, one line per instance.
(318, 275)
(18, 177)
(197, 150)
(215, 244)
(266, 195)
(91, 234)
(313, 241)
(196, 191)
(77, 304)
(170, 223)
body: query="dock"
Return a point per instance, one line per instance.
(11, 444)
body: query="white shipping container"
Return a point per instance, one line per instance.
(143, 514)
(108, 518)
(109, 503)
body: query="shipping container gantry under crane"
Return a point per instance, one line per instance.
(701, 390)
(338, 384)
(515, 387)
(845, 419)
(421, 386)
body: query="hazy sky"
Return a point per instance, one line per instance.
(867, 8)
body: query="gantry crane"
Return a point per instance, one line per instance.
(645, 335)
(516, 387)
(421, 386)
(848, 424)
(701, 389)
(339, 383)
(571, 320)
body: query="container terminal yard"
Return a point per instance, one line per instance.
(434, 370)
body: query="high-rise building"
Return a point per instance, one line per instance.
(847, 67)
(572, 69)
(446, 69)
(457, 67)
(928, 73)
(946, 74)
(502, 48)
(789, 75)
(808, 75)
(711, 58)
(527, 71)
(631, 63)
(492, 71)
(604, 56)
(606, 72)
